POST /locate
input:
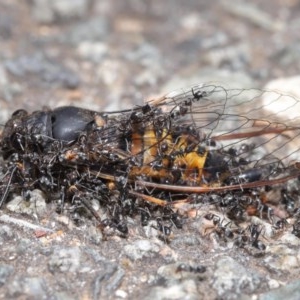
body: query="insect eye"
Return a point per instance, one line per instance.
(69, 122)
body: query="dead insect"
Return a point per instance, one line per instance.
(230, 143)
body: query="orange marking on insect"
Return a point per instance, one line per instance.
(136, 143)
(20, 166)
(73, 189)
(150, 145)
(100, 122)
(111, 185)
(191, 161)
(71, 155)
(150, 154)
(194, 162)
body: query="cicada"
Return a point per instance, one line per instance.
(205, 142)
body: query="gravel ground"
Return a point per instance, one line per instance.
(110, 55)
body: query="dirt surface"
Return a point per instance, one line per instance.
(111, 55)
(122, 52)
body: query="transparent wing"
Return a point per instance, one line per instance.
(268, 120)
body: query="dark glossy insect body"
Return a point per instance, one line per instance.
(189, 268)
(222, 228)
(201, 140)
